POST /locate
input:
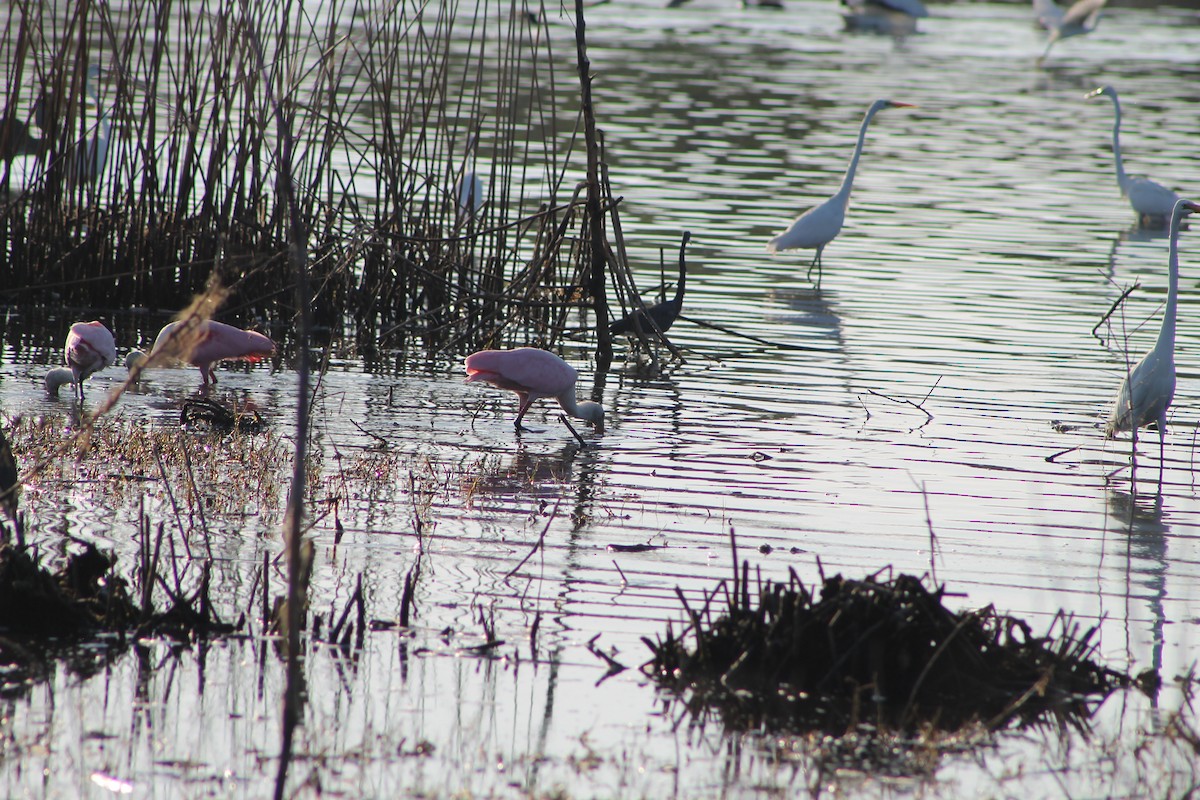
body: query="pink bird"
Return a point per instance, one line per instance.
(210, 343)
(90, 348)
(533, 374)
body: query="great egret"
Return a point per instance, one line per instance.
(1152, 202)
(533, 374)
(894, 17)
(819, 225)
(1147, 390)
(204, 343)
(1081, 17)
(662, 314)
(90, 347)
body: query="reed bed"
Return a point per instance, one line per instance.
(153, 155)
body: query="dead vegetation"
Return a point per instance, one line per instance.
(884, 653)
(391, 112)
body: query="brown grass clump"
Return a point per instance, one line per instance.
(886, 653)
(124, 458)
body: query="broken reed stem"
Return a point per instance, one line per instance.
(597, 247)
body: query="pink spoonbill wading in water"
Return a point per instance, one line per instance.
(533, 374)
(1148, 388)
(204, 346)
(819, 225)
(90, 348)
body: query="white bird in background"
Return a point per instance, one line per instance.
(1152, 202)
(819, 225)
(90, 347)
(1081, 17)
(1147, 390)
(82, 160)
(468, 186)
(893, 17)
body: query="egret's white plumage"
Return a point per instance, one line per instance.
(1151, 201)
(819, 225)
(1147, 390)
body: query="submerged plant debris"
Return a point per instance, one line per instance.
(84, 613)
(881, 653)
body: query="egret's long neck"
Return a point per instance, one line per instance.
(1122, 178)
(1166, 334)
(848, 181)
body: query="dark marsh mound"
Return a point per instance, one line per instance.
(84, 614)
(882, 653)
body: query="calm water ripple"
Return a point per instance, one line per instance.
(932, 407)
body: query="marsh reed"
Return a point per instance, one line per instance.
(155, 156)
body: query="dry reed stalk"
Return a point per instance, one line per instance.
(388, 105)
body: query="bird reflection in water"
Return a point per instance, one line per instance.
(1146, 564)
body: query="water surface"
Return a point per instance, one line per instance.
(932, 408)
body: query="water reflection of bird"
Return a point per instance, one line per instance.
(1147, 390)
(1081, 17)
(664, 314)
(1152, 202)
(819, 225)
(90, 348)
(533, 374)
(893, 17)
(204, 343)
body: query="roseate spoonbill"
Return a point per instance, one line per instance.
(1081, 17)
(1147, 390)
(893, 17)
(203, 343)
(662, 314)
(819, 225)
(533, 374)
(90, 348)
(1152, 202)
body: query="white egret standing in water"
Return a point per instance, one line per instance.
(819, 225)
(1152, 202)
(1147, 390)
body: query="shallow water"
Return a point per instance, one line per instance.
(908, 419)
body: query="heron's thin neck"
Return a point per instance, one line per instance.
(1166, 334)
(1116, 136)
(848, 181)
